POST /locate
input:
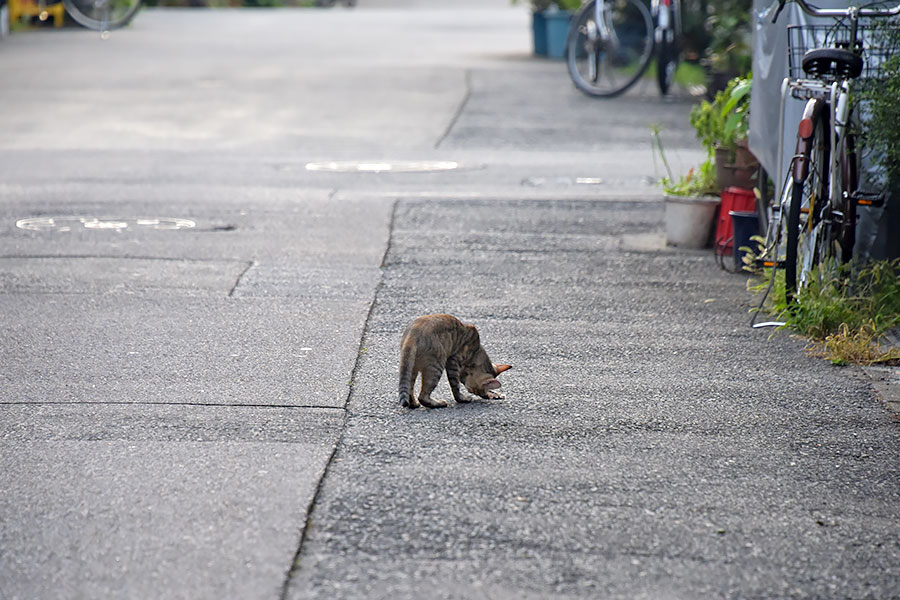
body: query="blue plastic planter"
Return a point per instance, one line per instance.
(539, 31)
(557, 31)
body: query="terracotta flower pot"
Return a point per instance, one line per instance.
(739, 172)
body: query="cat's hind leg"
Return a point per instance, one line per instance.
(431, 375)
(408, 396)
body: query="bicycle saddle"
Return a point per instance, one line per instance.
(835, 62)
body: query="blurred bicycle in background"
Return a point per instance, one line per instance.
(100, 15)
(612, 42)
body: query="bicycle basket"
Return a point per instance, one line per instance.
(877, 43)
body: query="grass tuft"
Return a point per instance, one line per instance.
(859, 347)
(845, 312)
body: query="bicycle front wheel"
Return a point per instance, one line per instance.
(808, 225)
(102, 15)
(667, 56)
(608, 56)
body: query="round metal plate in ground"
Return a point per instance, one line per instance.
(387, 166)
(561, 181)
(103, 223)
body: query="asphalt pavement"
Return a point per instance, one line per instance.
(214, 227)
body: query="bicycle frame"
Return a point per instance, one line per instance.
(836, 98)
(838, 94)
(667, 15)
(601, 20)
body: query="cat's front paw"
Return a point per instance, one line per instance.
(492, 395)
(433, 403)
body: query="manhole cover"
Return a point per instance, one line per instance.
(561, 181)
(392, 166)
(103, 223)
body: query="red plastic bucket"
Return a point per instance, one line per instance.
(733, 200)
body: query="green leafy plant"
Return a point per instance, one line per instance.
(696, 182)
(882, 125)
(725, 121)
(844, 311)
(700, 182)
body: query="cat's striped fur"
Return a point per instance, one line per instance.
(434, 343)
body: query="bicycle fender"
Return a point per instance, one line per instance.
(811, 113)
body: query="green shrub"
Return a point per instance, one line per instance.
(728, 24)
(724, 121)
(882, 126)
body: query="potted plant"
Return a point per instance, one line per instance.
(722, 126)
(690, 207)
(690, 202)
(550, 25)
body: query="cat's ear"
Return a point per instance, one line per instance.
(491, 384)
(500, 368)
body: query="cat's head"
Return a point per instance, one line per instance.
(480, 374)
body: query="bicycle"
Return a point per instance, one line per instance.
(100, 15)
(612, 42)
(815, 217)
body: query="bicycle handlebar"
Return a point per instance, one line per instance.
(853, 12)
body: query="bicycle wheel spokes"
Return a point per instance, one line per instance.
(772, 254)
(605, 59)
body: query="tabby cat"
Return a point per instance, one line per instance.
(433, 343)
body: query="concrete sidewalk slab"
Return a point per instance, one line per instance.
(85, 349)
(141, 501)
(233, 222)
(651, 443)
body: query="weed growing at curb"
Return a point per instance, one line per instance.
(859, 347)
(845, 312)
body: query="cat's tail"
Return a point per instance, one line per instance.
(407, 362)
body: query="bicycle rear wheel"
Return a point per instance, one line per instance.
(606, 58)
(846, 229)
(102, 15)
(808, 225)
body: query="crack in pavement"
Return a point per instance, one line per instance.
(296, 562)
